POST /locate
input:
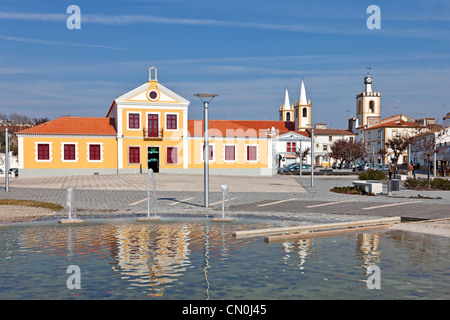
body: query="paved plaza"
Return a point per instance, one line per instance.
(276, 196)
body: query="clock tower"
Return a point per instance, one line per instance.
(367, 104)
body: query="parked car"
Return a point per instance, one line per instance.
(1, 171)
(296, 169)
(380, 167)
(365, 167)
(14, 171)
(284, 170)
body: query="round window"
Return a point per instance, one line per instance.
(153, 95)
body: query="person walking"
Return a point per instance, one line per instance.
(410, 169)
(390, 170)
(414, 170)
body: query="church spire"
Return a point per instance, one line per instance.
(287, 104)
(303, 100)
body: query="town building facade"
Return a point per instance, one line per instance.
(148, 128)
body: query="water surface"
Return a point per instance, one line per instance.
(123, 259)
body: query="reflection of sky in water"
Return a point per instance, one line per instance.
(193, 260)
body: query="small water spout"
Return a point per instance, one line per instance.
(69, 198)
(224, 197)
(151, 199)
(69, 203)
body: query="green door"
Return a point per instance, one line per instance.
(153, 158)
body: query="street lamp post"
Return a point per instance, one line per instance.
(6, 159)
(301, 160)
(312, 153)
(206, 99)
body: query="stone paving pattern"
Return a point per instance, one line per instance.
(126, 194)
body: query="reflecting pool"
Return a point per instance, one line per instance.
(195, 259)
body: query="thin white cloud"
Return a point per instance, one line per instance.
(56, 43)
(118, 20)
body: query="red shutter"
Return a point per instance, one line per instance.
(172, 155)
(229, 153)
(94, 152)
(134, 155)
(69, 152)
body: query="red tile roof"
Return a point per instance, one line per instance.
(74, 126)
(337, 132)
(242, 128)
(397, 123)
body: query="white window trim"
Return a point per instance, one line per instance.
(159, 120)
(257, 153)
(62, 151)
(178, 155)
(89, 149)
(49, 152)
(235, 152)
(128, 121)
(213, 145)
(165, 120)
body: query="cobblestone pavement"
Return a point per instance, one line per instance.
(164, 182)
(183, 194)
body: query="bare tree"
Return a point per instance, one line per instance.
(426, 143)
(337, 150)
(347, 150)
(398, 145)
(302, 154)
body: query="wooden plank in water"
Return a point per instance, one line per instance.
(319, 234)
(323, 226)
(222, 219)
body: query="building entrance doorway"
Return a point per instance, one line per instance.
(153, 158)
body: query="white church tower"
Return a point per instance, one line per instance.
(286, 110)
(302, 109)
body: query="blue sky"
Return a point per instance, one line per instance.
(248, 52)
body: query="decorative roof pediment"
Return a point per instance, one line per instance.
(153, 94)
(293, 136)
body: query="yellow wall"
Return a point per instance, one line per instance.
(144, 144)
(109, 150)
(137, 138)
(143, 122)
(218, 161)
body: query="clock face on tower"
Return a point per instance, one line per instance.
(368, 80)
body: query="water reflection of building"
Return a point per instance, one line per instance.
(152, 255)
(156, 255)
(367, 249)
(300, 249)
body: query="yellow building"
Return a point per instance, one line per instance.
(147, 127)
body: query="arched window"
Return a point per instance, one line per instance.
(288, 116)
(371, 106)
(359, 107)
(304, 112)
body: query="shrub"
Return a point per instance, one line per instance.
(441, 184)
(411, 183)
(351, 190)
(438, 183)
(372, 175)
